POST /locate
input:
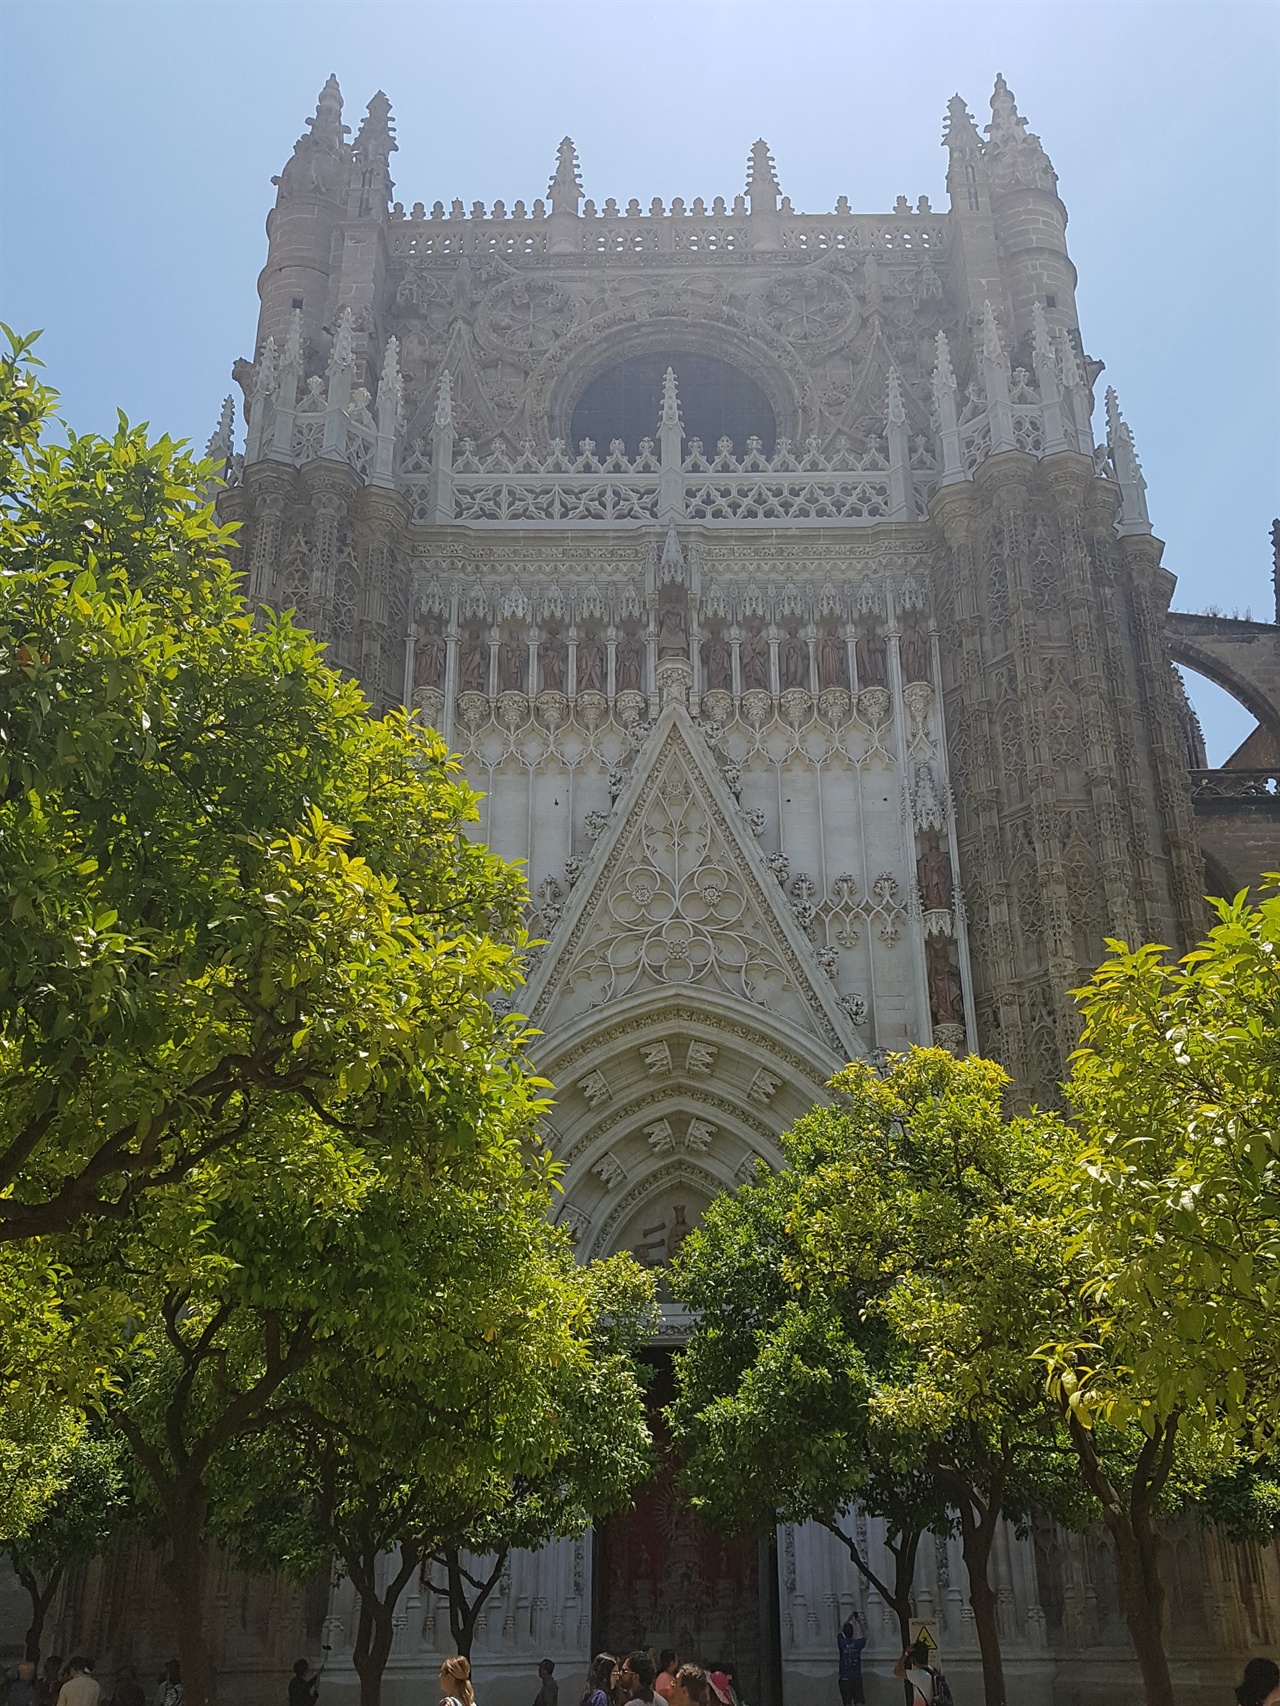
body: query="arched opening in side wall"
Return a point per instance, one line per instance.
(1231, 732)
(717, 400)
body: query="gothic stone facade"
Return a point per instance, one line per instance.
(764, 571)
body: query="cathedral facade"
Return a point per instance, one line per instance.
(765, 571)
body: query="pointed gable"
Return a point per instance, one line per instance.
(677, 898)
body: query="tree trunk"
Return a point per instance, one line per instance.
(464, 1613)
(898, 1597)
(41, 1598)
(978, 1538)
(375, 1629)
(1133, 1533)
(186, 1579)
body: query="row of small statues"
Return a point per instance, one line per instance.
(717, 659)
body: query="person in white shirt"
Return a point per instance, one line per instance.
(80, 1688)
(913, 1667)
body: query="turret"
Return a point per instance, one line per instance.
(972, 226)
(1030, 221)
(564, 192)
(310, 203)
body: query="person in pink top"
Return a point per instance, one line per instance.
(665, 1681)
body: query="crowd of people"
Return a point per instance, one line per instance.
(640, 1679)
(71, 1682)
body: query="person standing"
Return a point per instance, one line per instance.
(129, 1691)
(169, 1692)
(664, 1682)
(455, 1682)
(913, 1667)
(80, 1688)
(548, 1688)
(600, 1680)
(1261, 1684)
(637, 1678)
(851, 1641)
(51, 1681)
(23, 1689)
(691, 1687)
(304, 1690)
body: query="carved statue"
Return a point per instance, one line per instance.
(793, 662)
(870, 653)
(933, 872)
(511, 663)
(673, 628)
(551, 665)
(833, 661)
(913, 649)
(590, 666)
(754, 655)
(946, 998)
(627, 664)
(679, 1231)
(719, 662)
(475, 665)
(429, 658)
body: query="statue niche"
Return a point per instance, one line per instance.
(754, 657)
(673, 623)
(833, 660)
(793, 663)
(513, 658)
(551, 664)
(933, 875)
(627, 663)
(473, 672)
(590, 664)
(717, 662)
(429, 656)
(913, 650)
(870, 653)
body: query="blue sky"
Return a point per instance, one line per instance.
(137, 144)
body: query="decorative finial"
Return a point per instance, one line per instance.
(565, 188)
(327, 126)
(763, 187)
(221, 442)
(444, 400)
(992, 349)
(1133, 517)
(343, 353)
(390, 389)
(961, 132)
(943, 373)
(672, 556)
(897, 408)
(1017, 156)
(670, 402)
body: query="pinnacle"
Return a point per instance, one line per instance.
(565, 188)
(670, 400)
(762, 178)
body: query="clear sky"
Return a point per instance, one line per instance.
(139, 139)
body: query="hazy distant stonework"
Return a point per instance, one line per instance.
(764, 570)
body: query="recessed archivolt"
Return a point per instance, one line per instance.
(708, 1180)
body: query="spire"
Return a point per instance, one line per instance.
(262, 403)
(444, 401)
(222, 440)
(899, 450)
(327, 127)
(961, 134)
(341, 371)
(944, 407)
(1053, 416)
(371, 184)
(440, 489)
(670, 449)
(390, 416)
(343, 353)
(763, 188)
(995, 379)
(1016, 155)
(317, 155)
(1133, 517)
(565, 188)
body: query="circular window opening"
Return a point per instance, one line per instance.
(716, 401)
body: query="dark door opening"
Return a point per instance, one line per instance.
(662, 1579)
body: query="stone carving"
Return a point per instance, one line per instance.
(833, 661)
(662, 1140)
(699, 1136)
(590, 666)
(680, 1230)
(764, 1087)
(946, 997)
(673, 625)
(513, 656)
(475, 665)
(933, 869)
(429, 657)
(610, 1172)
(913, 650)
(627, 665)
(657, 1058)
(718, 663)
(871, 655)
(551, 665)
(854, 1007)
(793, 663)
(754, 658)
(701, 1059)
(595, 1088)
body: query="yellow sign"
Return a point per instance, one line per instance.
(924, 1632)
